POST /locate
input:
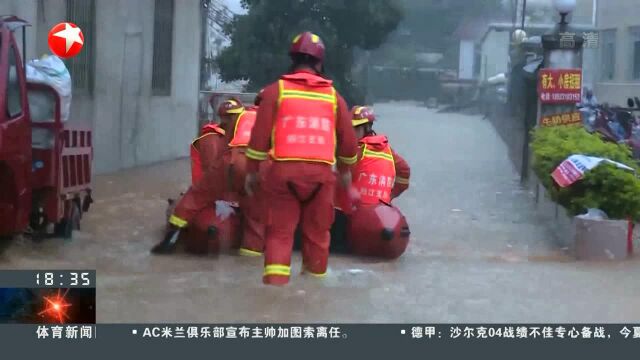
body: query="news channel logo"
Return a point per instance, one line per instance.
(66, 40)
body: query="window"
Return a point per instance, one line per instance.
(635, 52)
(14, 92)
(608, 54)
(81, 67)
(162, 47)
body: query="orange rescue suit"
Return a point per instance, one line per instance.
(301, 124)
(377, 165)
(202, 154)
(242, 130)
(253, 227)
(305, 125)
(374, 175)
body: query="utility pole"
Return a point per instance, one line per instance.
(204, 30)
(524, 13)
(517, 14)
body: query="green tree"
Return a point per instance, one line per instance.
(261, 38)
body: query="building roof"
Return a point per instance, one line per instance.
(471, 30)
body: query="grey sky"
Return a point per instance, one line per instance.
(234, 5)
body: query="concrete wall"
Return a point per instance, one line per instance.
(495, 54)
(131, 127)
(619, 15)
(25, 9)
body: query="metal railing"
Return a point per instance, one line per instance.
(208, 102)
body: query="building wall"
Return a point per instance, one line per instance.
(27, 10)
(467, 57)
(131, 127)
(495, 54)
(619, 15)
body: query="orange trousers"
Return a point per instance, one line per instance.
(297, 193)
(253, 208)
(253, 224)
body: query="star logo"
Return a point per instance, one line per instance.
(66, 40)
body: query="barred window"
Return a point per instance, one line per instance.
(635, 52)
(81, 67)
(162, 47)
(608, 54)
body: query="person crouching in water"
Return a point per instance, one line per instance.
(201, 217)
(367, 224)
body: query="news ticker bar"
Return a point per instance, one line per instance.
(355, 341)
(450, 333)
(36, 279)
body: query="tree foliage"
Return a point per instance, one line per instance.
(615, 191)
(260, 39)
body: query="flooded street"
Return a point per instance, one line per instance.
(477, 253)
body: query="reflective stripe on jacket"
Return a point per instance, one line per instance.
(374, 174)
(242, 130)
(305, 126)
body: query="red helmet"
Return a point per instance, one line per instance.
(308, 43)
(230, 107)
(361, 115)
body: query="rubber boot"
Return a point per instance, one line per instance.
(168, 244)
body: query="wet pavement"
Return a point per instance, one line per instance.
(477, 253)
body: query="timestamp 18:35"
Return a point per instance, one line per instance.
(65, 279)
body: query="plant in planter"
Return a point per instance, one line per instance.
(612, 190)
(615, 191)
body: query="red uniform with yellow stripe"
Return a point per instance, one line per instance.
(305, 126)
(242, 129)
(375, 227)
(374, 175)
(197, 168)
(238, 146)
(253, 227)
(300, 184)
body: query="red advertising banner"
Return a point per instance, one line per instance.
(560, 86)
(567, 173)
(571, 118)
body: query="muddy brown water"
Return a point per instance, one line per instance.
(476, 254)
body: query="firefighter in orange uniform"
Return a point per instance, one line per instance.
(253, 228)
(301, 125)
(197, 204)
(206, 150)
(374, 226)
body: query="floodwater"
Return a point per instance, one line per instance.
(477, 253)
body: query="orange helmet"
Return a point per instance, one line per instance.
(308, 43)
(361, 115)
(230, 107)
